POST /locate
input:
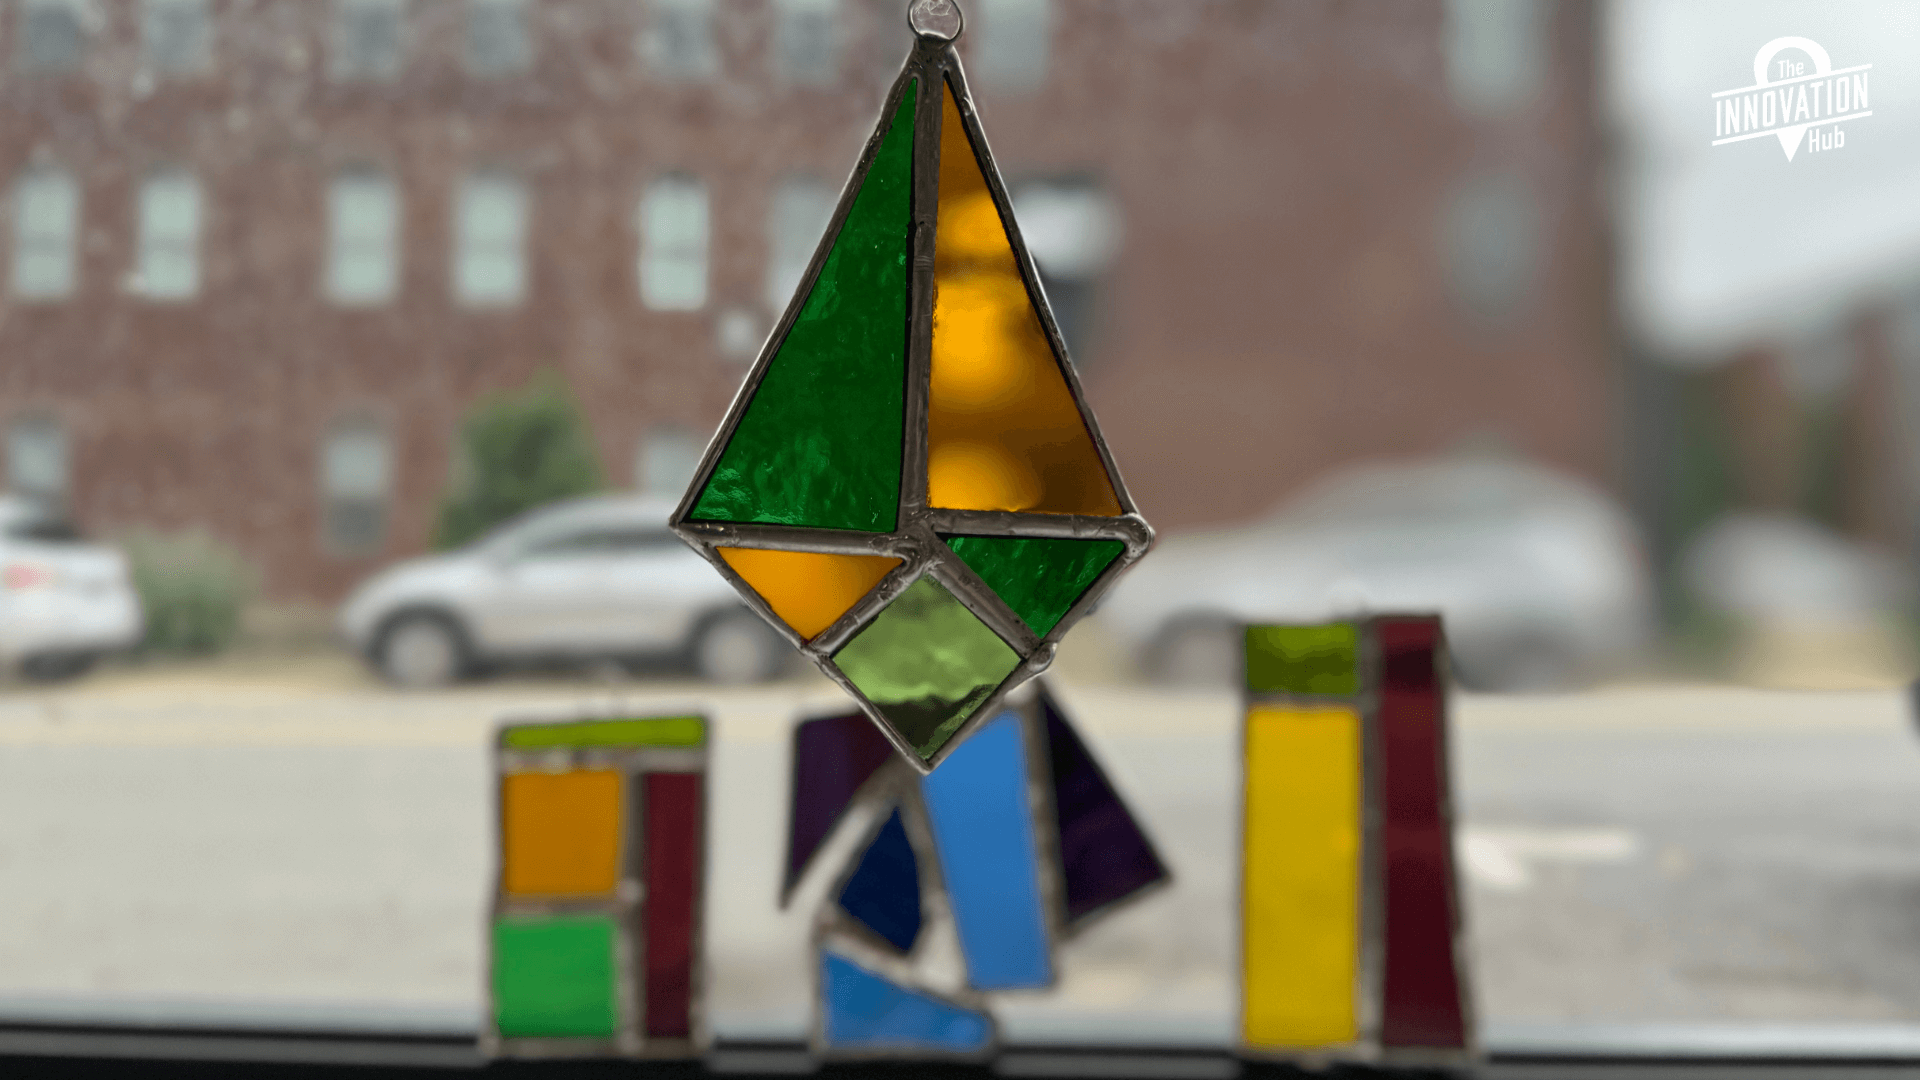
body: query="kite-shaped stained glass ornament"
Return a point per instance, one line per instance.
(910, 486)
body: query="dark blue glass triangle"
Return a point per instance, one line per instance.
(884, 891)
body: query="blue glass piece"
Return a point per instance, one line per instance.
(866, 1011)
(983, 828)
(884, 890)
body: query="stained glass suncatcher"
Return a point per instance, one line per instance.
(910, 486)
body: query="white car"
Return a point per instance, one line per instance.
(592, 578)
(1540, 578)
(64, 602)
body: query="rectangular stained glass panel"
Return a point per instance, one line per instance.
(673, 821)
(560, 832)
(553, 976)
(1303, 659)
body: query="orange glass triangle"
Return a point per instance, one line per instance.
(1003, 431)
(807, 589)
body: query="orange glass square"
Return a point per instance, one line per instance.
(561, 832)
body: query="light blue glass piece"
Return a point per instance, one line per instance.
(983, 829)
(866, 1011)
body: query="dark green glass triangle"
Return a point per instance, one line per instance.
(1039, 577)
(819, 443)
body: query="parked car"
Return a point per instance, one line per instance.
(1540, 578)
(586, 579)
(64, 602)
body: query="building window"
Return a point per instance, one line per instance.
(366, 39)
(46, 221)
(1491, 237)
(497, 39)
(666, 462)
(1496, 54)
(807, 41)
(173, 34)
(169, 257)
(52, 35)
(356, 475)
(37, 459)
(1010, 46)
(677, 41)
(1072, 229)
(363, 225)
(802, 207)
(490, 240)
(673, 230)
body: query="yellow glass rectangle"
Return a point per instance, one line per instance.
(1300, 902)
(560, 833)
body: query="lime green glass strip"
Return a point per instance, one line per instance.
(819, 444)
(669, 731)
(1303, 659)
(553, 977)
(1038, 577)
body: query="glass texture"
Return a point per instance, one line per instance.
(1038, 577)
(1003, 430)
(666, 732)
(52, 35)
(1420, 996)
(553, 976)
(1497, 54)
(366, 40)
(669, 456)
(37, 458)
(490, 259)
(819, 444)
(1303, 659)
(497, 39)
(883, 892)
(1011, 39)
(800, 212)
(1300, 886)
(560, 832)
(809, 590)
(833, 758)
(673, 244)
(677, 41)
(1105, 856)
(807, 41)
(674, 820)
(866, 1011)
(927, 662)
(980, 807)
(46, 223)
(169, 259)
(173, 34)
(363, 225)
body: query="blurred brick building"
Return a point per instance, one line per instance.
(261, 255)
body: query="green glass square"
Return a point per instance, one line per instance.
(553, 977)
(1304, 659)
(927, 662)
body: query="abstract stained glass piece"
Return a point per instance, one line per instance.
(1300, 903)
(819, 444)
(1303, 659)
(1039, 577)
(1105, 856)
(1003, 429)
(927, 663)
(883, 892)
(1421, 992)
(672, 813)
(833, 757)
(865, 1011)
(661, 731)
(809, 590)
(978, 803)
(553, 977)
(560, 833)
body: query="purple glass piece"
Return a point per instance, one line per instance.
(1105, 857)
(833, 757)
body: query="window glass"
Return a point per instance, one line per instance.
(673, 244)
(807, 41)
(1010, 42)
(355, 480)
(173, 35)
(169, 253)
(1496, 54)
(676, 40)
(490, 240)
(1072, 229)
(666, 461)
(363, 225)
(367, 43)
(1490, 233)
(802, 207)
(46, 223)
(37, 459)
(498, 40)
(52, 35)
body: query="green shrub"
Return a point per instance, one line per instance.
(192, 589)
(517, 450)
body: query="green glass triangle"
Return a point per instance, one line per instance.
(819, 443)
(1038, 577)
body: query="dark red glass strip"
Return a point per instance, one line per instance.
(1422, 1005)
(673, 824)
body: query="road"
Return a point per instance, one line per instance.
(296, 838)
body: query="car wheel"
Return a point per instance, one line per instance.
(56, 667)
(738, 648)
(421, 651)
(1195, 653)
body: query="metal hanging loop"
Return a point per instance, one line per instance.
(940, 20)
